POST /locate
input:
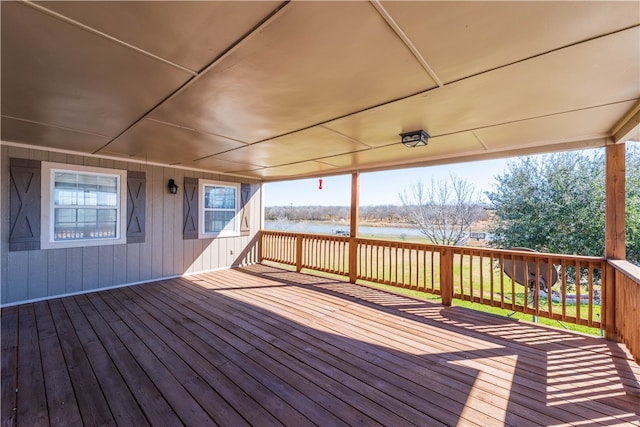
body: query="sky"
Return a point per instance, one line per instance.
(379, 188)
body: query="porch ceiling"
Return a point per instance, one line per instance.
(276, 91)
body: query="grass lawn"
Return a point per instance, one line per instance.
(487, 309)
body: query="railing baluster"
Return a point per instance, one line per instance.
(414, 266)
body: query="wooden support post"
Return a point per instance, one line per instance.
(298, 253)
(353, 230)
(260, 236)
(446, 276)
(615, 240)
(614, 231)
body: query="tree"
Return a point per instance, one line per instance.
(633, 202)
(444, 211)
(556, 203)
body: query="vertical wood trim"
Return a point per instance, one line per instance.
(353, 229)
(136, 209)
(245, 215)
(615, 240)
(190, 209)
(24, 204)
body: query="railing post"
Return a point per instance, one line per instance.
(260, 246)
(298, 252)
(609, 303)
(353, 229)
(446, 276)
(614, 229)
(353, 260)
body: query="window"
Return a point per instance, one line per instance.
(219, 211)
(82, 206)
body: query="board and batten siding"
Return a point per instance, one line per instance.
(35, 274)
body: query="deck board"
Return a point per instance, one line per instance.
(265, 347)
(9, 363)
(31, 396)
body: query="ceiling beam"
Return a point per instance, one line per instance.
(629, 127)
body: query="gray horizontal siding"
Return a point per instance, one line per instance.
(37, 274)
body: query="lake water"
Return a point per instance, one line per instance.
(319, 228)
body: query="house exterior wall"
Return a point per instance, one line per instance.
(36, 274)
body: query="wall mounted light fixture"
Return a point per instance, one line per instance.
(173, 188)
(415, 138)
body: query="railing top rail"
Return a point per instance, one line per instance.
(306, 235)
(632, 271)
(529, 254)
(456, 249)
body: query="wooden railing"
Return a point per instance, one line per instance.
(561, 287)
(626, 305)
(329, 254)
(567, 288)
(407, 265)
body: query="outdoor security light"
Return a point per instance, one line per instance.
(173, 188)
(415, 138)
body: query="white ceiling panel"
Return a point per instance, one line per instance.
(573, 126)
(189, 33)
(436, 148)
(154, 141)
(282, 91)
(315, 143)
(50, 137)
(555, 83)
(213, 163)
(59, 74)
(296, 169)
(461, 39)
(311, 64)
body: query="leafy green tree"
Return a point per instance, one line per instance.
(556, 203)
(633, 202)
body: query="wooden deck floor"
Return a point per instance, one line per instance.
(262, 346)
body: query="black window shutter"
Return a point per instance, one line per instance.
(190, 209)
(245, 195)
(136, 200)
(24, 204)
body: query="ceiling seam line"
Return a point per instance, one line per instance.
(533, 144)
(200, 131)
(343, 135)
(449, 83)
(484, 145)
(324, 123)
(533, 118)
(405, 39)
(265, 21)
(538, 55)
(440, 160)
(319, 159)
(107, 36)
(123, 159)
(56, 126)
(482, 155)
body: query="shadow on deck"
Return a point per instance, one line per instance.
(263, 346)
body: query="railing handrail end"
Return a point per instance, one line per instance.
(626, 267)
